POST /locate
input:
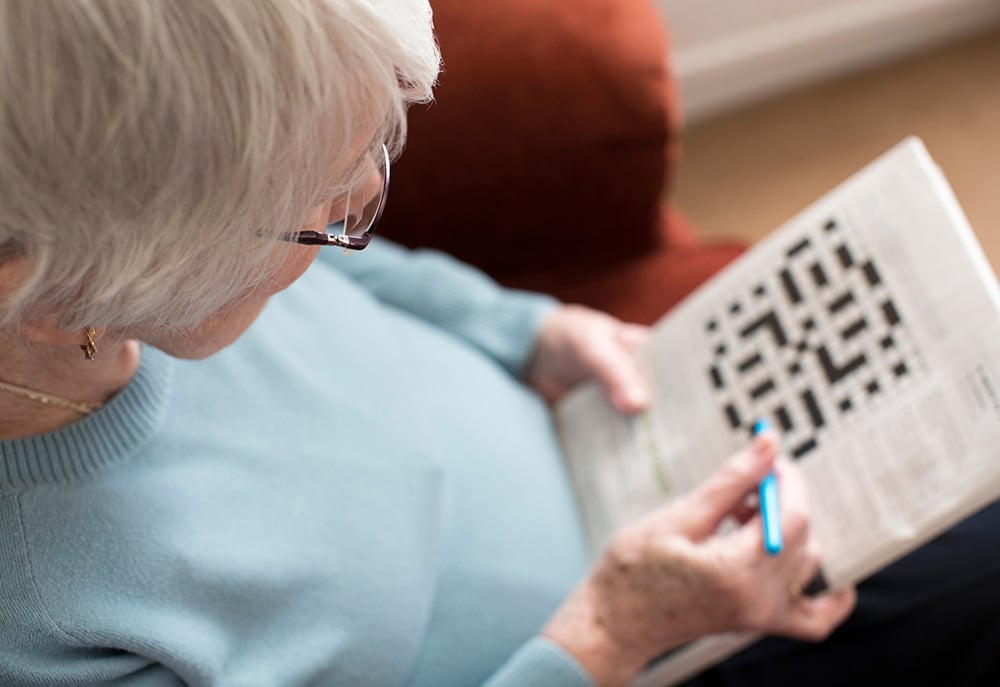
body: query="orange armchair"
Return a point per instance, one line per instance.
(547, 156)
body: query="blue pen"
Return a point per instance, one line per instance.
(769, 514)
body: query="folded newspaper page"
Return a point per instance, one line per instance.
(866, 331)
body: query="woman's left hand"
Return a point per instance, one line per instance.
(576, 344)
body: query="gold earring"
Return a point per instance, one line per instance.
(90, 348)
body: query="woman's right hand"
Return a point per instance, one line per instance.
(671, 578)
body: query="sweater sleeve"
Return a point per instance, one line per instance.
(540, 662)
(456, 297)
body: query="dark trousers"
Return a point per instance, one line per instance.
(932, 618)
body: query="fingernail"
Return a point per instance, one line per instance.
(763, 446)
(636, 397)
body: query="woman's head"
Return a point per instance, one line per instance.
(151, 152)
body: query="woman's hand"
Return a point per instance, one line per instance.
(576, 344)
(670, 578)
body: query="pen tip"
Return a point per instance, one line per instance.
(762, 425)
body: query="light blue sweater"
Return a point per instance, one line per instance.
(358, 492)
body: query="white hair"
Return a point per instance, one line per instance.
(152, 151)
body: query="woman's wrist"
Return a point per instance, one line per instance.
(578, 628)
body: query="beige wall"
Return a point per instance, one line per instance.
(728, 53)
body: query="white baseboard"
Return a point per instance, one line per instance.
(738, 69)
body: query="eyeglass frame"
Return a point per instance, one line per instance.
(308, 237)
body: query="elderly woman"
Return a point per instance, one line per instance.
(217, 468)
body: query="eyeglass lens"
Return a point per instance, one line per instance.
(363, 205)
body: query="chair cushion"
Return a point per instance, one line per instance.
(551, 138)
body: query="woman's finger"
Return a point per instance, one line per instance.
(813, 619)
(699, 514)
(633, 335)
(615, 367)
(793, 500)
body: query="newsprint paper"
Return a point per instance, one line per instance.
(867, 331)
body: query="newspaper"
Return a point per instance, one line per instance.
(865, 330)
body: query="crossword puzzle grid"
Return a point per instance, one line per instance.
(817, 338)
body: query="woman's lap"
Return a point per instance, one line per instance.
(933, 617)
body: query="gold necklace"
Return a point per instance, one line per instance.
(81, 407)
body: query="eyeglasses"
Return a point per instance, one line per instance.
(355, 231)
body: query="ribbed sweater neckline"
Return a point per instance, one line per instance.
(114, 433)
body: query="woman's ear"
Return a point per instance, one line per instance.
(44, 330)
